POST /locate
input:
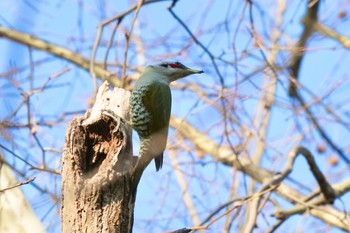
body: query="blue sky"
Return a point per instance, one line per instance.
(67, 24)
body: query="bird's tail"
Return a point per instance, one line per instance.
(158, 160)
(149, 151)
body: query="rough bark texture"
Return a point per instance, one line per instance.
(97, 193)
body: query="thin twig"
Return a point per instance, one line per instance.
(127, 36)
(59, 51)
(218, 209)
(248, 199)
(225, 156)
(53, 196)
(17, 156)
(194, 38)
(276, 225)
(184, 188)
(320, 130)
(92, 67)
(110, 42)
(329, 194)
(310, 24)
(53, 76)
(19, 184)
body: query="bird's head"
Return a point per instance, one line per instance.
(173, 70)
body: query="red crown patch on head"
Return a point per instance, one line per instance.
(177, 65)
(174, 65)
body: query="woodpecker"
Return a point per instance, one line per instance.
(150, 106)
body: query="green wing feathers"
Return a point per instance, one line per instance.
(158, 103)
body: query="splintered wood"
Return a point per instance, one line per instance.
(97, 195)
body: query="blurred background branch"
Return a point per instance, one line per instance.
(275, 86)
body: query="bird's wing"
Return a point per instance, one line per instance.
(157, 102)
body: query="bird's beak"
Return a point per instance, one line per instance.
(196, 71)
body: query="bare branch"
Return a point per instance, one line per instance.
(225, 156)
(309, 21)
(56, 50)
(185, 189)
(326, 31)
(17, 185)
(205, 49)
(127, 41)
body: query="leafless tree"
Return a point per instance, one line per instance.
(275, 90)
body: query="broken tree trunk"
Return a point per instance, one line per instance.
(97, 192)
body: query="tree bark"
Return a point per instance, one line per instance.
(97, 193)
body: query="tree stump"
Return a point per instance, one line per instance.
(97, 192)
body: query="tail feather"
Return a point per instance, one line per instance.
(147, 152)
(158, 160)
